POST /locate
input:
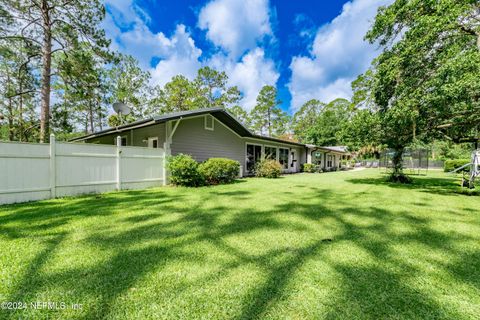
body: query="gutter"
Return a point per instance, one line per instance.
(114, 130)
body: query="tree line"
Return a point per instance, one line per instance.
(423, 87)
(58, 74)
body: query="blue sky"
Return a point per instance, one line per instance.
(308, 49)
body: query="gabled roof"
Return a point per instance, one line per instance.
(219, 113)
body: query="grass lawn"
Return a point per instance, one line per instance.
(341, 245)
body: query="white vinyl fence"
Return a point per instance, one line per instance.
(34, 171)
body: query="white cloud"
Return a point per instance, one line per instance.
(182, 57)
(236, 25)
(178, 54)
(249, 75)
(125, 11)
(142, 43)
(338, 55)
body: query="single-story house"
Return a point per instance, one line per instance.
(213, 132)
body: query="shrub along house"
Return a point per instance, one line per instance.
(204, 134)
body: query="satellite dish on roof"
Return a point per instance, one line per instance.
(121, 109)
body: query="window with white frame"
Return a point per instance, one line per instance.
(153, 142)
(329, 161)
(283, 157)
(209, 122)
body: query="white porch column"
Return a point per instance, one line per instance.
(309, 155)
(169, 132)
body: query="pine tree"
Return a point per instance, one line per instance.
(48, 27)
(267, 118)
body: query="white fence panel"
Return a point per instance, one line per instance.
(141, 167)
(24, 172)
(85, 168)
(30, 171)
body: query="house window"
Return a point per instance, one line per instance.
(153, 142)
(283, 158)
(254, 154)
(209, 122)
(329, 161)
(271, 153)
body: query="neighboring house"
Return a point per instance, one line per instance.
(207, 133)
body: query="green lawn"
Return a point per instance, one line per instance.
(341, 245)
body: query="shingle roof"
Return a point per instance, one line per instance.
(219, 113)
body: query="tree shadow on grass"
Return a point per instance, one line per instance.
(372, 291)
(376, 292)
(33, 218)
(466, 268)
(31, 280)
(441, 186)
(268, 293)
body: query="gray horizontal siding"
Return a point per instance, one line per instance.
(192, 138)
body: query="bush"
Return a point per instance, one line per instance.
(219, 170)
(344, 163)
(268, 169)
(184, 171)
(451, 165)
(308, 167)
